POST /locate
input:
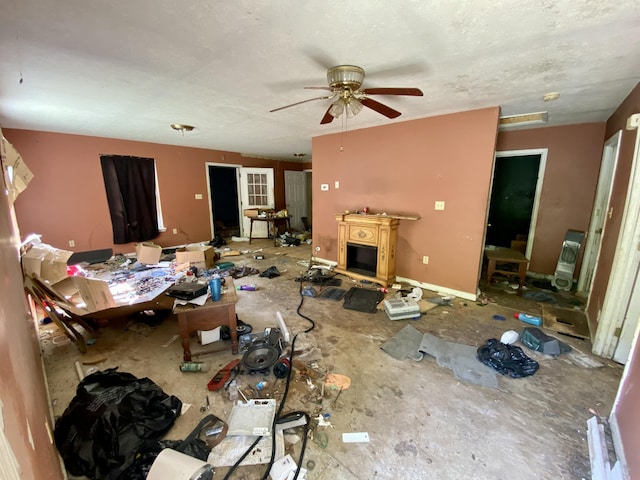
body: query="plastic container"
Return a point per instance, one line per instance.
(215, 288)
(530, 319)
(250, 286)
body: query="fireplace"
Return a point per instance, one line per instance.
(367, 247)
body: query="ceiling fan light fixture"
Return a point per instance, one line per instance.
(348, 76)
(182, 127)
(354, 107)
(337, 108)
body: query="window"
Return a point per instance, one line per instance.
(132, 194)
(258, 189)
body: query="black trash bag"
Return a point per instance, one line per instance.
(507, 359)
(217, 241)
(271, 272)
(149, 451)
(111, 417)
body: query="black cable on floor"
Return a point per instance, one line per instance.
(284, 398)
(244, 455)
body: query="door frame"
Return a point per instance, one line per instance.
(536, 200)
(229, 165)
(610, 154)
(626, 262)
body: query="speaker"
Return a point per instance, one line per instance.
(260, 357)
(563, 276)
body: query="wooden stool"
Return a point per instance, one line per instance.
(504, 256)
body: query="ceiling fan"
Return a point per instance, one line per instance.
(345, 82)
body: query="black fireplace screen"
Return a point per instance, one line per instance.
(362, 259)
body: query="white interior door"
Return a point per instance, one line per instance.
(295, 192)
(599, 214)
(256, 191)
(614, 318)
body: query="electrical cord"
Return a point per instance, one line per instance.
(280, 408)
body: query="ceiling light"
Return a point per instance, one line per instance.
(524, 119)
(181, 127)
(337, 108)
(354, 107)
(549, 97)
(348, 76)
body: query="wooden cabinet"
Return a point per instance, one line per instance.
(377, 231)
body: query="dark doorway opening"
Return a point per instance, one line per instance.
(512, 199)
(225, 212)
(362, 259)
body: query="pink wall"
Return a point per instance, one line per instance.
(66, 200)
(568, 190)
(628, 414)
(404, 168)
(25, 406)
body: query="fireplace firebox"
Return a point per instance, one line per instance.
(362, 259)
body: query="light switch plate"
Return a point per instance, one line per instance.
(198, 196)
(440, 205)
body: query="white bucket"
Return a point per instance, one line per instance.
(173, 465)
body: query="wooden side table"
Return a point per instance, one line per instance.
(207, 317)
(272, 223)
(505, 256)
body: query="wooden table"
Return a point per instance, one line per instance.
(272, 222)
(207, 317)
(505, 256)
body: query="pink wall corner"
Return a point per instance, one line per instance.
(404, 168)
(569, 185)
(66, 199)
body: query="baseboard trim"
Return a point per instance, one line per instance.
(439, 289)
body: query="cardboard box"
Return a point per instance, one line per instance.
(201, 256)
(148, 253)
(251, 212)
(85, 295)
(46, 262)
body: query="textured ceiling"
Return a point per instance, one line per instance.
(128, 69)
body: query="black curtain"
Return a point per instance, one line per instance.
(130, 183)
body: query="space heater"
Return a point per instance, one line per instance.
(563, 277)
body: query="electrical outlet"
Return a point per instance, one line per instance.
(198, 196)
(425, 260)
(336, 184)
(72, 243)
(175, 231)
(439, 205)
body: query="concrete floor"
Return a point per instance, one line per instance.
(422, 422)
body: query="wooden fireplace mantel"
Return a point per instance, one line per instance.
(380, 231)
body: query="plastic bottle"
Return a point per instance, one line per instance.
(250, 286)
(530, 319)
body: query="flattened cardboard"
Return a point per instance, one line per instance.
(148, 253)
(201, 256)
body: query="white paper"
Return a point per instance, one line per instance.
(209, 336)
(355, 437)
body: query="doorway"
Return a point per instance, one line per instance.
(295, 192)
(600, 208)
(224, 200)
(515, 192)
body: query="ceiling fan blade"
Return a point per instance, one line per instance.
(416, 92)
(328, 118)
(324, 97)
(380, 108)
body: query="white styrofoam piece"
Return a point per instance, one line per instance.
(283, 328)
(355, 437)
(209, 336)
(254, 417)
